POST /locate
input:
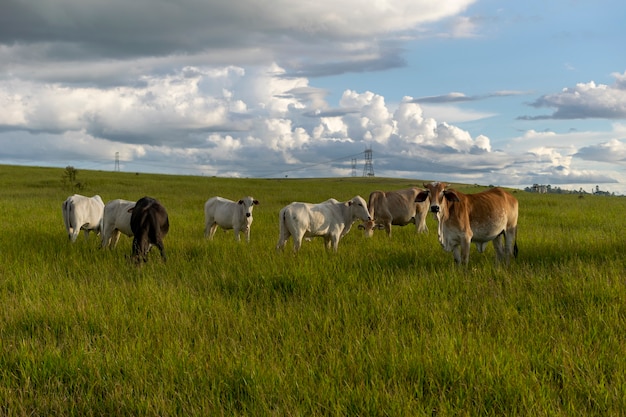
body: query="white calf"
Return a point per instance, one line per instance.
(330, 220)
(228, 214)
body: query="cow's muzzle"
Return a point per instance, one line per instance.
(434, 209)
(247, 214)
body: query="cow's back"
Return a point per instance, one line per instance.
(215, 203)
(402, 206)
(117, 216)
(311, 219)
(150, 216)
(492, 209)
(220, 210)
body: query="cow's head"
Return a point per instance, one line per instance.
(438, 194)
(369, 226)
(359, 209)
(248, 204)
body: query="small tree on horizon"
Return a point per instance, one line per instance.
(69, 178)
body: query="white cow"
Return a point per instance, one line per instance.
(116, 220)
(228, 214)
(330, 220)
(80, 212)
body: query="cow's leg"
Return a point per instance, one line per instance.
(145, 245)
(388, 227)
(207, 226)
(440, 236)
(297, 241)
(145, 249)
(106, 238)
(510, 243)
(159, 244)
(456, 251)
(281, 242)
(335, 240)
(247, 233)
(73, 234)
(498, 245)
(212, 230)
(109, 238)
(115, 237)
(420, 223)
(328, 242)
(136, 251)
(463, 252)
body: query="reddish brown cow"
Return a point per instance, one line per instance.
(480, 218)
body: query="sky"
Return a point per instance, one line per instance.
(467, 91)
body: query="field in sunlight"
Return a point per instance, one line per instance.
(383, 327)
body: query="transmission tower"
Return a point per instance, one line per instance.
(368, 169)
(117, 161)
(354, 167)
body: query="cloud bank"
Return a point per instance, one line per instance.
(228, 89)
(585, 101)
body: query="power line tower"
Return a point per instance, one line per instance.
(354, 167)
(117, 161)
(368, 169)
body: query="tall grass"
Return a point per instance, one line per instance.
(383, 327)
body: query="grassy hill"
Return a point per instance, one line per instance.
(383, 327)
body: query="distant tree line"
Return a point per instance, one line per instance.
(548, 189)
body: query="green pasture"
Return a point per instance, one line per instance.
(384, 327)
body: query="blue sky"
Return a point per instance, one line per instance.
(487, 92)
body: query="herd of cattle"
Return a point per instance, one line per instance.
(462, 219)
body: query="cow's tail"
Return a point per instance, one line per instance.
(515, 250)
(282, 229)
(67, 218)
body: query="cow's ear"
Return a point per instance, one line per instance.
(240, 202)
(422, 196)
(255, 202)
(130, 210)
(451, 195)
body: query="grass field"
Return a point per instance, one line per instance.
(384, 327)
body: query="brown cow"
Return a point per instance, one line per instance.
(150, 224)
(396, 208)
(480, 218)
